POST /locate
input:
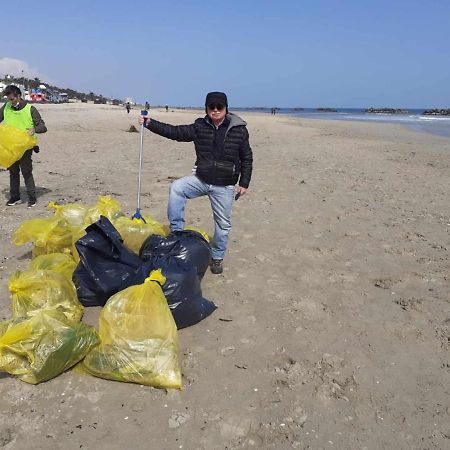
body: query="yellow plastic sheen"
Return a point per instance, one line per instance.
(105, 206)
(58, 234)
(36, 290)
(39, 348)
(134, 231)
(36, 230)
(47, 235)
(13, 144)
(139, 340)
(77, 233)
(71, 214)
(200, 231)
(57, 262)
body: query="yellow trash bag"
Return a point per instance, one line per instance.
(77, 233)
(105, 206)
(138, 338)
(134, 231)
(71, 214)
(200, 231)
(39, 348)
(13, 144)
(35, 290)
(57, 262)
(160, 229)
(47, 235)
(37, 231)
(59, 242)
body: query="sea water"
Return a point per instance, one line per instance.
(414, 119)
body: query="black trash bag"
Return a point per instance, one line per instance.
(183, 291)
(106, 266)
(189, 247)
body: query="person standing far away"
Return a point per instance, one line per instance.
(128, 107)
(147, 106)
(18, 113)
(167, 108)
(224, 158)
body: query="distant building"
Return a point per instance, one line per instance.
(38, 95)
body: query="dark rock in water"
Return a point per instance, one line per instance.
(436, 112)
(327, 109)
(387, 111)
(132, 129)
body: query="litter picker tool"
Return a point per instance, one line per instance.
(137, 214)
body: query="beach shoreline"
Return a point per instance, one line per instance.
(333, 313)
(436, 125)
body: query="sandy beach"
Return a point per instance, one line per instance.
(333, 327)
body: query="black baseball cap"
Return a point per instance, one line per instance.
(216, 97)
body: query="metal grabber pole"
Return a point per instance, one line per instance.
(137, 214)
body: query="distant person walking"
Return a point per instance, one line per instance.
(128, 107)
(167, 108)
(224, 158)
(147, 106)
(18, 113)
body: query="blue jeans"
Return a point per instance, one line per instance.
(221, 198)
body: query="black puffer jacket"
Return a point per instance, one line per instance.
(234, 164)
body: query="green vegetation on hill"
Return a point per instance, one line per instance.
(34, 83)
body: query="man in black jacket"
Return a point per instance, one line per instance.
(224, 158)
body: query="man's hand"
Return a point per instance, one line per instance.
(143, 120)
(241, 191)
(31, 131)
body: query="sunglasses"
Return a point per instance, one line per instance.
(214, 106)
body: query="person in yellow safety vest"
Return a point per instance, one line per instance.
(20, 114)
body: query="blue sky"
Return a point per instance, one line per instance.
(262, 53)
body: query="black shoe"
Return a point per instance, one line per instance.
(216, 266)
(13, 201)
(31, 202)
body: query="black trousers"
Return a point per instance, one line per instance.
(24, 165)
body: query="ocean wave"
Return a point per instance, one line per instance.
(431, 124)
(388, 118)
(435, 118)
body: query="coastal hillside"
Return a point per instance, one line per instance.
(38, 90)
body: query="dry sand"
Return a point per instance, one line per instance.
(333, 327)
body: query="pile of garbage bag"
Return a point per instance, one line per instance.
(147, 279)
(58, 234)
(107, 267)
